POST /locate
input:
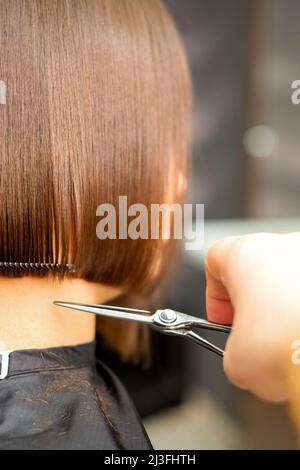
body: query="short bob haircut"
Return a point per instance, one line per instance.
(97, 106)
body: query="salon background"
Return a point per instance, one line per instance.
(244, 57)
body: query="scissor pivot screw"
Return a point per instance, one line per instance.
(167, 316)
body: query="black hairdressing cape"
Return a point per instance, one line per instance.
(61, 398)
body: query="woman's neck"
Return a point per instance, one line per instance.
(29, 320)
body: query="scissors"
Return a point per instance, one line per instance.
(165, 321)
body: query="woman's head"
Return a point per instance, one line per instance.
(97, 103)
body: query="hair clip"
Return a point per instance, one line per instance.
(50, 266)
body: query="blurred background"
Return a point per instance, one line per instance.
(244, 56)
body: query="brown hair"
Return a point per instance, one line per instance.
(97, 106)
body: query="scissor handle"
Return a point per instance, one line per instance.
(173, 320)
(204, 343)
(180, 324)
(201, 323)
(195, 338)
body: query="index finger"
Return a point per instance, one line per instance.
(219, 307)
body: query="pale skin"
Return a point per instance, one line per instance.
(29, 320)
(254, 282)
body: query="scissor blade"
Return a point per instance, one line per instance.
(112, 311)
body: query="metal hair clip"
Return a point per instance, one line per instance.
(50, 266)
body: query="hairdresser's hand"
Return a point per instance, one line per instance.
(254, 282)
